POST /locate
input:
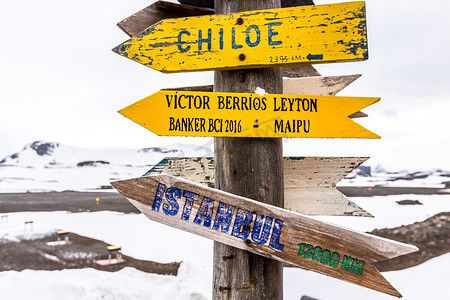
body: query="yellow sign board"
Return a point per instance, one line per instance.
(185, 113)
(254, 39)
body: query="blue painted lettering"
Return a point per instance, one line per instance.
(233, 39)
(247, 35)
(204, 213)
(172, 194)
(158, 197)
(221, 38)
(223, 217)
(260, 233)
(243, 218)
(201, 40)
(190, 198)
(275, 238)
(272, 33)
(180, 43)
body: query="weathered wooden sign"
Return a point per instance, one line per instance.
(309, 182)
(253, 39)
(315, 85)
(181, 113)
(264, 229)
(161, 10)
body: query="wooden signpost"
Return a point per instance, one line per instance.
(309, 182)
(253, 39)
(253, 238)
(264, 229)
(182, 113)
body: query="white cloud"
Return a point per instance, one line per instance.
(61, 81)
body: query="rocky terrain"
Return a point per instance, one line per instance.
(431, 236)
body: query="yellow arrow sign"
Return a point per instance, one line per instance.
(185, 113)
(253, 39)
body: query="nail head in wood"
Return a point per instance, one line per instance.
(224, 288)
(227, 257)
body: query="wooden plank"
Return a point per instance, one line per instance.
(321, 85)
(253, 39)
(175, 113)
(309, 182)
(159, 11)
(250, 168)
(210, 3)
(300, 71)
(199, 3)
(317, 85)
(264, 229)
(310, 185)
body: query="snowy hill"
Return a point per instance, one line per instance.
(50, 166)
(52, 154)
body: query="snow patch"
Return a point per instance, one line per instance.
(260, 91)
(57, 167)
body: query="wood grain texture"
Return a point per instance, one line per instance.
(300, 71)
(210, 3)
(156, 12)
(248, 167)
(318, 85)
(314, 85)
(161, 10)
(309, 182)
(264, 229)
(265, 38)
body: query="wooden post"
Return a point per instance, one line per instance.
(249, 167)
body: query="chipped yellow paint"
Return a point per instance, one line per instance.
(184, 113)
(264, 38)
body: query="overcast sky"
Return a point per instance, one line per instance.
(60, 81)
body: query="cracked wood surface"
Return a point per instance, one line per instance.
(284, 235)
(264, 38)
(309, 182)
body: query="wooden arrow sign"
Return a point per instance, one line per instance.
(177, 113)
(253, 39)
(309, 182)
(161, 10)
(264, 229)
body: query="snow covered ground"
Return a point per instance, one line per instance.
(426, 281)
(54, 167)
(50, 166)
(88, 284)
(144, 239)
